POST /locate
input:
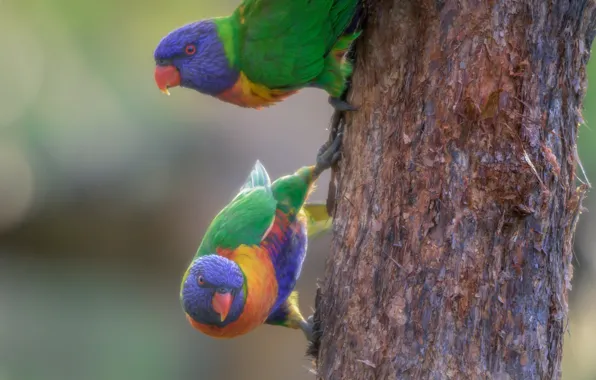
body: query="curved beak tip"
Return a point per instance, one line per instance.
(166, 77)
(222, 302)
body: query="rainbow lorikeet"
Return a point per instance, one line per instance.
(245, 269)
(264, 52)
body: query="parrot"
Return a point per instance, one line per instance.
(266, 51)
(245, 269)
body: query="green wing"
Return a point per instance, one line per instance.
(246, 218)
(283, 43)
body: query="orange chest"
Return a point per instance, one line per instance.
(248, 94)
(261, 293)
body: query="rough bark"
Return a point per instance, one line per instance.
(456, 199)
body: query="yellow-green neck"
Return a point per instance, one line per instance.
(227, 30)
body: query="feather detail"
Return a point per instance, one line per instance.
(288, 314)
(292, 45)
(246, 219)
(337, 69)
(257, 177)
(261, 292)
(318, 220)
(245, 93)
(286, 244)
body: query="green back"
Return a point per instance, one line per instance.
(246, 218)
(283, 43)
(250, 214)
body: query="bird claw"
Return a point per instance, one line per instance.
(329, 153)
(307, 328)
(341, 105)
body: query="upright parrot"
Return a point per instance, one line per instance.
(264, 52)
(245, 269)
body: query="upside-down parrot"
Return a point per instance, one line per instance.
(246, 267)
(264, 52)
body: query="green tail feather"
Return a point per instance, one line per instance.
(337, 68)
(344, 42)
(318, 220)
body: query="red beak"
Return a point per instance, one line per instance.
(221, 304)
(166, 77)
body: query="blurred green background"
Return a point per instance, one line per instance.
(106, 187)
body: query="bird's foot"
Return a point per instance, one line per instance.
(341, 105)
(329, 153)
(307, 328)
(316, 329)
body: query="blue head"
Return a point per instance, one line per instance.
(213, 293)
(193, 56)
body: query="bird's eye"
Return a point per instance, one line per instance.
(190, 49)
(201, 280)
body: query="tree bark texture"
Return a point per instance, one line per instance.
(456, 199)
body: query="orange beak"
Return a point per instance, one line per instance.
(166, 77)
(222, 302)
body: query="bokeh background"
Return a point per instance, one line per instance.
(107, 186)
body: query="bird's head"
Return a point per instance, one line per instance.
(193, 56)
(212, 291)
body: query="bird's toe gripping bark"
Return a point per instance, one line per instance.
(316, 330)
(341, 105)
(307, 328)
(329, 153)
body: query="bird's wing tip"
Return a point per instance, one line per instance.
(258, 165)
(258, 177)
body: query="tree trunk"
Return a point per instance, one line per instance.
(456, 200)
